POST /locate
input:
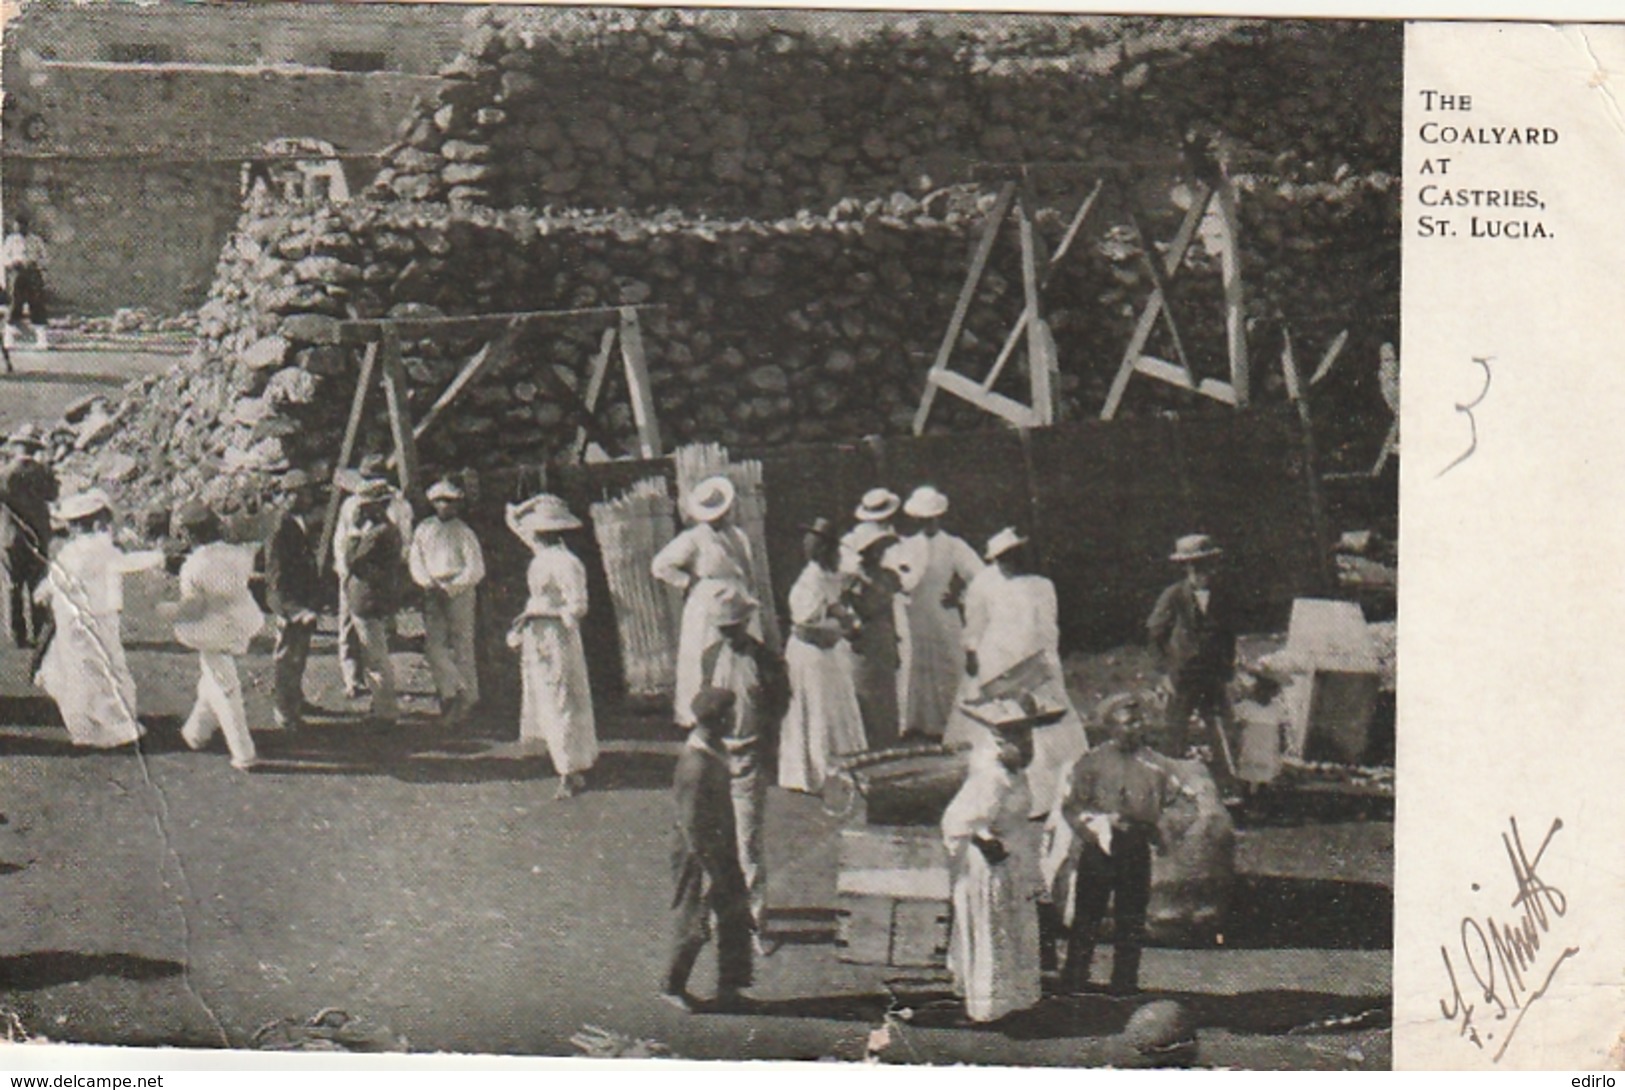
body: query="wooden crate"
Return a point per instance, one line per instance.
(892, 896)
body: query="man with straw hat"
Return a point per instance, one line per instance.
(557, 705)
(27, 490)
(936, 568)
(709, 558)
(755, 675)
(83, 666)
(374, 469)
(447, 562)
(873, 596)
(372, 567)
(995, 880)
(877, 509)
(1193, 632)
(216, 617)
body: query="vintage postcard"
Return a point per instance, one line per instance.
(768, 534)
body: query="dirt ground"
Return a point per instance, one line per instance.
(426, 881)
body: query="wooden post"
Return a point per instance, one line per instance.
(400, 413)
(352, 428)
(1038, 361)
(967, 293)
(595, 386)
(637, 384)
(1160, 283)
(1235, 312)
(1148, 317)
(1298, 393)
(1071, 232)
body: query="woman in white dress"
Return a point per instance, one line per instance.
(993, 866)
(84, 669)
(1013, 646)
(824, 720)
(557, 705)
(936, 568)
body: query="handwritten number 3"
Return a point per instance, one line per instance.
(1466, 409)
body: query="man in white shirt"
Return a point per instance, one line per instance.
(23, 255)
(447, 562)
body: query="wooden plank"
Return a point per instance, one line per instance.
(967, 293)
(369, 330)
(492, 355)
(352, 428)
(1318, 521)
(1022, 416)
(1235, 298)
(637, 383)
(1390, 447)
(1148, 317)
(400, 413)
(1038, 362)
(595, 387)
(1329, 358)
(1160, 283)
(1071, 233)
(1175, 375)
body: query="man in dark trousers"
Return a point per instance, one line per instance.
(705, 861)
(1193, 631)
(1113, 800)
(293, 591)
(373, 572)
(27, 488)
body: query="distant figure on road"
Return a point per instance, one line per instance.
(557, 704)
(23, 255)
(447, 562)
(28, 487)
(712, 555)
(936, 568)
(1193, 632)
(216, 617)
(83, 666)
(824, 720)
(293, 591)
(705, 862)
(993, 863)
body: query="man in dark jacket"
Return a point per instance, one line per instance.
(372, 582)
(27, 489)
(705, 861)
(1193, 631)
(293, 591)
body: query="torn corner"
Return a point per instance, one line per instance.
(1601, 78)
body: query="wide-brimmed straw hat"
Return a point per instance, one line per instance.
(541, 514)
(373, 490)
(1002, 542)
(1193, 547)
(82, 505)
(878, 505)
(445, 490)
(925, 502)
(865, 536)
(711, 499)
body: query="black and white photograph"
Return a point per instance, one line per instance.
(721, 534)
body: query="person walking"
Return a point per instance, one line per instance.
(293, 593)
(824, 720)
(23, 254)
(1192, 630)
(216, 617)
(872, 597)
(82, 666)
(372, 582)
(994, 880)
(710, 557)
(936, 568)
(28, 487)
(556, 708)
(447, 562)
(1113, 801)
(373, 471)
(755, 675)
(705, 862)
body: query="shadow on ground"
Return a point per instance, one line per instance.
(48, 968)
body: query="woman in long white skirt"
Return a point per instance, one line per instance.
(824, 720)
(557, 705)
(84, 669)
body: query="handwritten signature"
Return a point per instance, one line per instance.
(1466, 409)
(1504, 959)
